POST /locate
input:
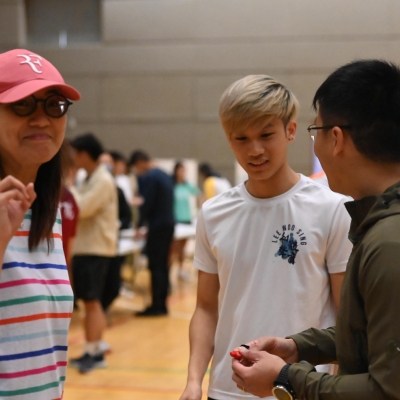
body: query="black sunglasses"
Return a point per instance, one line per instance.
(55, 106)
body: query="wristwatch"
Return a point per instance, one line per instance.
(282, 389)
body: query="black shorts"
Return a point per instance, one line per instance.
(89, 274)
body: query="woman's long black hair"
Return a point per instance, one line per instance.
(48, 184)
(178, 165)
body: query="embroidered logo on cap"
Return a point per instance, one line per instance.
(31, 63)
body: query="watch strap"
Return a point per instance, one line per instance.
(283, 380)
(283, 376)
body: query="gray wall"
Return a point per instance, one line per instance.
(155, 79)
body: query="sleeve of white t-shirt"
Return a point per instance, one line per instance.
(339, 246)
(204, 258)
(124, 183)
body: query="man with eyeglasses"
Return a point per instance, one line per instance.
(357, 139)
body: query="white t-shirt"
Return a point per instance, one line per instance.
(124, 183)
(273, 257)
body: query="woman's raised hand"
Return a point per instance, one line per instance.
(15, 199)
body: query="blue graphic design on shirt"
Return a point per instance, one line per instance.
(288, 248)
(289, 244)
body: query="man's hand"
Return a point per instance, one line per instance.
(15, 200)
(140, 233)
(192, 392)
(283, 348)
(256, 372)
(137, 201)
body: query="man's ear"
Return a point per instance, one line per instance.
(338, 138)
(291, 129)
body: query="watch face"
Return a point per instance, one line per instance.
(281, 393)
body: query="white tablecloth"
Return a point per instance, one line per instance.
(127, 245)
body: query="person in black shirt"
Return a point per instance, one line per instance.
(156, 187)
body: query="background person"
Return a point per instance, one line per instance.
(95, 244)
(184, 192)
(120, 170)
(157, 213)
(113, 277)
(35, 293)
(358, 144)
(213, 183)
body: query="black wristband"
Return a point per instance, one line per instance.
(283, 380)
(283, 376)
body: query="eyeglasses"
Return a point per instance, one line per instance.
(55, 106)
(313, 127)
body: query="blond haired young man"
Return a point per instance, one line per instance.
(271, 252)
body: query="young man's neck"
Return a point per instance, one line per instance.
(282, 181)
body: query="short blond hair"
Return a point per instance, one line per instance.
(254, 97)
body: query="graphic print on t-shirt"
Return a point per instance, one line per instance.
(68, 210)
(288, 242)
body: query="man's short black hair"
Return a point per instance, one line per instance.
(136, 156)
(207, 170)
(89, 143)
(117, 156)
(365, 94)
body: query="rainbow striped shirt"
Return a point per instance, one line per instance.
(35, 311)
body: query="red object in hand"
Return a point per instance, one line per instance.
(236, 354)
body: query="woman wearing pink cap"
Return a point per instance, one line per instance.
(35, 293)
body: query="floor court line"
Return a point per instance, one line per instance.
(97, 388)
(145, 370)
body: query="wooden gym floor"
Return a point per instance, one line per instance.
(149, 356)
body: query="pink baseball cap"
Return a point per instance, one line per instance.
(23, 73)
